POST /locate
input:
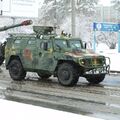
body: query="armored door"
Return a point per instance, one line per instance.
(46, 56)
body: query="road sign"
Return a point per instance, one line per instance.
(19, 8)
(106, 27)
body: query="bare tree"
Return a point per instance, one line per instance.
(60, 9)
(108, 38)
(87, 7)
(116, 4)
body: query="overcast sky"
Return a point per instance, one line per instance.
(105, 2)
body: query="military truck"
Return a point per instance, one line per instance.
(48, 54)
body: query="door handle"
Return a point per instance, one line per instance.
(40, 54)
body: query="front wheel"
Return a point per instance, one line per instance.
(67, 74)
(95, 79)
(16, 70)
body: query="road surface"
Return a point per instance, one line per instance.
(101, 101)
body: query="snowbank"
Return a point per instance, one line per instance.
(114, 57)
(18, 111)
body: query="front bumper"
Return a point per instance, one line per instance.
(98, 70)
(95, 69)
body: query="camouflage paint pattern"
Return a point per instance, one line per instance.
(34, 57)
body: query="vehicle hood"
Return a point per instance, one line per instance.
(82, 53)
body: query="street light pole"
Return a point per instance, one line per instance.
(1, 6)
(73, 18)
(55, 16)
(119, 41)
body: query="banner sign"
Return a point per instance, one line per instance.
(106, 27)
(19, 8)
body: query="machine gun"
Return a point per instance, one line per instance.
(2, 46)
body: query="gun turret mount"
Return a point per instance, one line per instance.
(44, 30)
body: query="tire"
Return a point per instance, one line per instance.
(95, 79)
(67, 75)
(16, 70)
(44, 76)
(2, 53)
(1, 60)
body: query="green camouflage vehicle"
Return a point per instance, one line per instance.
(47, 54)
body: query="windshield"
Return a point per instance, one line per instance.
(75, 44)
(68, 44)
(61, 44)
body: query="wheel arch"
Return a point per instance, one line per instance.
(76, 65)
(12, 57)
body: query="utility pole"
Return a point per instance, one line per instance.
(55, 16)
(73, 17)
(13, 18)
(1, 11)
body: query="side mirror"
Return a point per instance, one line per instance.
(85, 45)
(45, 46)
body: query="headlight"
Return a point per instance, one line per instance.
(91, 62)
(82, 62)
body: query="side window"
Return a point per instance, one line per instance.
(61, 44)
(42, 45)
(45, 44)
(32, 43)
(17, 41)
(49, 45)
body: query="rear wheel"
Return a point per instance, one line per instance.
(16, 70)
(2, 52)
(96, 79)
(1, 60)
(67, 74)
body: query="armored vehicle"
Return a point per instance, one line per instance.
(47, 54)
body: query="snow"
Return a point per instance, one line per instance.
(102, 47)
(115, 61)
(10, 110)
(112, 54)
(105, 2)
